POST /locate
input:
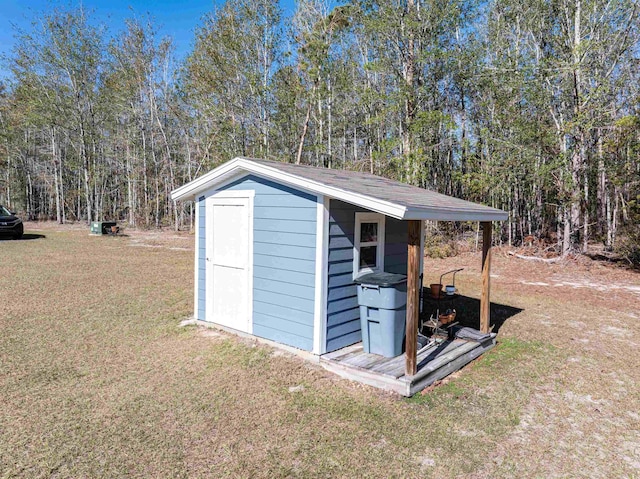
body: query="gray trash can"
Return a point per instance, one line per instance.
(382, 298)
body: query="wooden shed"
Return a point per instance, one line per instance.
(278, 248)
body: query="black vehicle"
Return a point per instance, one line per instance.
(10, 224)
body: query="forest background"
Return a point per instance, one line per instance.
(527, 106)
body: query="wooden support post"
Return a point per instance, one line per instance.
(485, 299)
(414, 256)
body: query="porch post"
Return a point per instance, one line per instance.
(414, 256)
(485, 300)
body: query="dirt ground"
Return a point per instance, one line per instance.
(98, 380)
(584, 420)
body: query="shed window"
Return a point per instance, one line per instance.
(368, 250)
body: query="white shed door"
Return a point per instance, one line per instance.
(228, 262)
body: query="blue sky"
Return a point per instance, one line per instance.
(175, 18)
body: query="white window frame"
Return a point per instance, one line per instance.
(368, 218)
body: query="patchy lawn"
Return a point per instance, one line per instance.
(97, 380)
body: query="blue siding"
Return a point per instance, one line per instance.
(202, 255)
(343, 314)
(395, 246)
(284, 252)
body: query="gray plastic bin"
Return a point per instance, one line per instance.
(383, 330)
(382, 298)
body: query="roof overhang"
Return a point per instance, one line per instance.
(233, 168)
(450, 214)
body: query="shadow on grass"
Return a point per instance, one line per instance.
(25, 237)
(468, 311)
(614, 260)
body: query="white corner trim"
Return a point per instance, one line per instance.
(360, 218)
(322, 273)
(252, 194)
(196, 265)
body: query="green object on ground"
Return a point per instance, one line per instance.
(101, 227)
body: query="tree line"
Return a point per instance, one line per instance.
(531, 107)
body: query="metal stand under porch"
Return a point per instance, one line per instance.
(414, 286)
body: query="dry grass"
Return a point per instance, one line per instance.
(97, 381)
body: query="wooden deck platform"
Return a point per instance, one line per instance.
(435, 361)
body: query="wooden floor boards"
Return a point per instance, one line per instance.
(435, 361)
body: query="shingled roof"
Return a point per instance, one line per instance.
(390, 197)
